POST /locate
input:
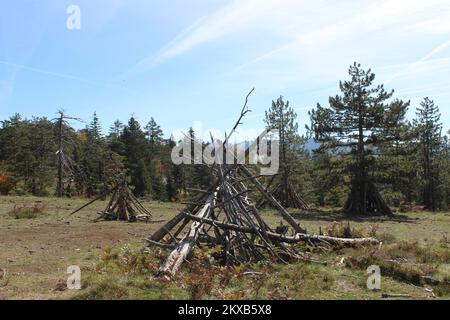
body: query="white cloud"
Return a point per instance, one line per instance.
(388, 16)
(230, 19)
(277, 16)
(308, 45)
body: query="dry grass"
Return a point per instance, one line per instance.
(25, 211)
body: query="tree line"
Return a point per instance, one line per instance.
(368, 155)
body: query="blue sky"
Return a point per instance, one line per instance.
(183, 61)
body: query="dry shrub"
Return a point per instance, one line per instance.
(442, 289)
(127, 261)
(386, 238)
(405, 208)
(444, 240)
(344, 230)
(404, 261)
(204, 278)
(106, 289)
(390, 268)
(28, 211)
(423, 255)
(200, 275)
(6, 183)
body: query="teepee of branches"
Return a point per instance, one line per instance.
(294, 200)
(122, 205)
(225, 216)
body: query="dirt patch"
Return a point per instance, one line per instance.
(36, 257)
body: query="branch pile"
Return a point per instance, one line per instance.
(122, 205)
(225, 217)
(293, 199)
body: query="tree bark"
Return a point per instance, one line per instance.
(182, 250)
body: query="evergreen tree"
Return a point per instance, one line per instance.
(354, 124)
(174, 174)
(157, 168)
(293, 157)
(135, 153)
(27, 151)
(429, 129)
(397, 161)
(328, 179)
(93, 157)
(154, 135)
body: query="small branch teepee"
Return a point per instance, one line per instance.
(373, 205)
(122, 206)
(292, 199)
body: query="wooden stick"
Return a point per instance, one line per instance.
(286, 215)
(182, 250)
(91, 202)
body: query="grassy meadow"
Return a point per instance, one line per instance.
(39, 239)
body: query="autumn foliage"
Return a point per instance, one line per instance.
(6, 183)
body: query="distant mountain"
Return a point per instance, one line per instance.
(311, 145)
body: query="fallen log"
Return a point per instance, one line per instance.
(434, 282)
(299, 237)
(332, 240)
(182, 249)
(395, 295)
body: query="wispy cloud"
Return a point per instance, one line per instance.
(18, 67)
(230, 19)
(424, 64)
(390, 16)
(48, 73)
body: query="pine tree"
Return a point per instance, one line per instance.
(396, 167)
(354, 124)
(282, 117)
(157, 168)
(135, 153)
(154, 135)
(27, 151)
(175, 176)
(93, 157)
(328, 178)
(140, 179)
(429, 129)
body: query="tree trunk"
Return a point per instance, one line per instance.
(59, 187)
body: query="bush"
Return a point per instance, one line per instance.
(344, 230)
(392, 198)
(28, 212)
(336, 197)
(105, 289)
(6, 183)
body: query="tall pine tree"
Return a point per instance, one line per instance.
(282, 117)
(354, 124)
(429, 129)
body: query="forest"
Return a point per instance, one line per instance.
(368, 156)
